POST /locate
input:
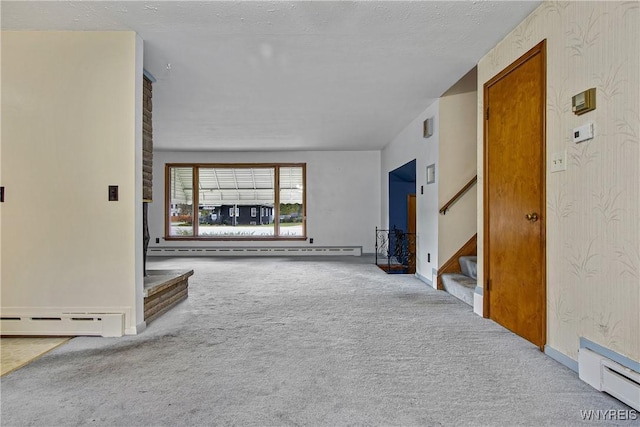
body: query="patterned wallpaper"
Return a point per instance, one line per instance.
(593, 218)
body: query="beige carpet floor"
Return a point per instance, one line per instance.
(17, 352)
(303, 341)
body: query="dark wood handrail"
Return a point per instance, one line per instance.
(459, 194)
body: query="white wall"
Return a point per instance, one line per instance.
(457, 160)
(408, 145)
(593, 237)
(343, 197)
(1, 204)
(70, 128)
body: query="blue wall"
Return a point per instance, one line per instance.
(402, 182)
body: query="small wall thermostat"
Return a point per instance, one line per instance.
(584, 101)
(583, 133)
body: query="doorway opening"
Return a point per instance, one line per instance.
(396, 246)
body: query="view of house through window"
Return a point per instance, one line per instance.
(181, 201)
(236, 201)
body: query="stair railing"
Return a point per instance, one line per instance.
(458, 195)
(383, 246)
(395, 250)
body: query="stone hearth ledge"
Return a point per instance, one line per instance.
(163, 289)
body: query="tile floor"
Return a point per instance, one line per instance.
(17, 352)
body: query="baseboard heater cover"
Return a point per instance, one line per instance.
(604, 374)
(255, 251)
(94, 324)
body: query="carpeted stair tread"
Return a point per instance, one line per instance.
(460, 286)
(469, 266)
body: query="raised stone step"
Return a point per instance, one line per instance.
(460, 286)
(163, 289)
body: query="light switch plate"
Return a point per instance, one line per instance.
(559, 161)
(113, 193)
(583, 133)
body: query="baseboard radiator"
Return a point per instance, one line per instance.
(255, 251)
(68, 324)
(605, 374)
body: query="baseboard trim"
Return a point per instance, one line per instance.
(610, 372)
(561, 358)
(610, 354)
(478, 304)
(135, 330)
(173, 251)
(70, 321)
(424, 279)
(64, 324)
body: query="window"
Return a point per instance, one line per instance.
(181, 201)
(291, 201)
(229, 197)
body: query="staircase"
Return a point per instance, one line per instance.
(462, 285)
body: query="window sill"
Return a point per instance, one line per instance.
(234, 239)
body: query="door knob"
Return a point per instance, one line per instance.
(532, 217)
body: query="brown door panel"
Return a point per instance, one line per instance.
(514, 195)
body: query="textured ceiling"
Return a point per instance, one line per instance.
(238, 76)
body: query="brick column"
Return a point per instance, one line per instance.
(147, 165)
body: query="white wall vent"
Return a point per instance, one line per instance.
(70, 324)
(255, 251)
(606, 375)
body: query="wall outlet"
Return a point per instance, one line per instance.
(311, 240)
(157, 240)
(558, 161)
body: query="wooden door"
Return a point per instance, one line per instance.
(411, 231)
(514, 187)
